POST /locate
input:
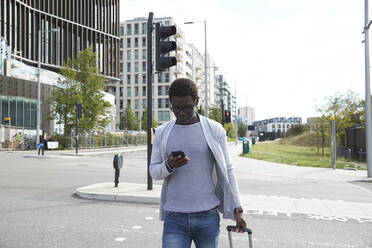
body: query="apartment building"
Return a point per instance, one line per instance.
(277, 124)
(224, 96)
(132, 86)
(247, 114)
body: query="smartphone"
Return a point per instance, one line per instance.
(178, 153)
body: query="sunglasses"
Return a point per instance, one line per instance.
(186, 109)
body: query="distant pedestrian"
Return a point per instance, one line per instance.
(191, 155)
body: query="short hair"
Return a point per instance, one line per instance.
(183, 87)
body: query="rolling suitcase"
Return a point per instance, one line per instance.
(249, 231)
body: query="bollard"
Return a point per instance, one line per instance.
(118, 164)
(349, 153)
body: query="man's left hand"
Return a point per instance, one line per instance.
(240, 222)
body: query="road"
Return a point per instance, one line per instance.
(38, 207)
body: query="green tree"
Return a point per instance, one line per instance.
(129, 121)
(242, 130)
(81, 81)
(215, 114)
(144, 121)
(347, 109)
(230, 130)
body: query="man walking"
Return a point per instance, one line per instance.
(198, 178)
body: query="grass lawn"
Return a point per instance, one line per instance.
(297, 155)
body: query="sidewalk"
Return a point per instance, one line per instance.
(81, 152)
(138, 193)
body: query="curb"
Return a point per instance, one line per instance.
(126, 192)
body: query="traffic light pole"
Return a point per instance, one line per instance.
(77, 125)
(149, 97)
(367, 94)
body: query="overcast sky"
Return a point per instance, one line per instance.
(285, 56)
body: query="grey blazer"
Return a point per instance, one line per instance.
(224, 179)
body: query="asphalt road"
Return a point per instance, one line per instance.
(38, 208)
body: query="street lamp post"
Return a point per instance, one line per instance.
(39, 85)
(205, 65)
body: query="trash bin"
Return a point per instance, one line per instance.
(253, 141)
(245, 147)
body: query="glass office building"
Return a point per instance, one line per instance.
(66, 27)
(21, 110)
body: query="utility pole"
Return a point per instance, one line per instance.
(149, 98)
(236, 118)
(368, 93)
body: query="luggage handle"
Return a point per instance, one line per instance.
(244, 229)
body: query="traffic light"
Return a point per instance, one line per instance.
(163, 47)
(227, 116)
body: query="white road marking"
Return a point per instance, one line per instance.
(120, 239)
(149, 218)
(309, 216)
(137, 227)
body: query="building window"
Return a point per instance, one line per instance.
(144, 103)
(160, 103)
(160, 115)
(121, 79)
(129, 55)
(166, 102)
(135, 66)
(167, 80)
(166, 115)
(160, 90)
(128, 42)
(136, 91)
(121, 104)
(121, 55)
(136, 105)
(136, 54)
(128, 91)
(144, 78)
(121, 91)
(144, 66)
(143, 90)
(143, 41)
(129, 29)
(160, 77)
(166, 90)
(136, 28)
(166, 23)
(121, 67)
(121, 30)
(136, 78)
(128, 102)
(128, 79)
(143, 53)
(144, 28)
(121, 43)
(128, 66)
(136, 42)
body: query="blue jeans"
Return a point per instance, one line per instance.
(180, 229)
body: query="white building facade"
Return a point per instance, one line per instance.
(247, 114)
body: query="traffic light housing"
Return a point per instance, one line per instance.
(227, 116)
(164, 46)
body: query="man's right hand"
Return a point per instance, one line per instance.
(177, 161)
